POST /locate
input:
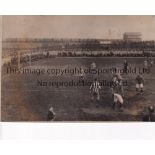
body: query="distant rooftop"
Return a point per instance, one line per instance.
(133, 33)
(132, 36)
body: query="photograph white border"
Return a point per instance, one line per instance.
(77, 130)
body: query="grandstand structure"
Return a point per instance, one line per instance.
(18, 50)
(132, 36)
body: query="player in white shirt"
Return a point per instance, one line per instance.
(93, 65)
(117, 84)
(82, 74)
(117, 99)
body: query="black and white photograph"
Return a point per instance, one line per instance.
(78, 68)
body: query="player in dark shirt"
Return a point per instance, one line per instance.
(139, 83)
(125, 69)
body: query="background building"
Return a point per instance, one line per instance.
(132, 36)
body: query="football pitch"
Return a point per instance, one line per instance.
(27, 97)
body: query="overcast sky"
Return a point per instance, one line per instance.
(104, 27)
